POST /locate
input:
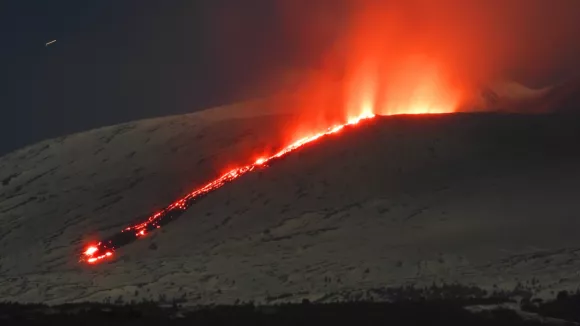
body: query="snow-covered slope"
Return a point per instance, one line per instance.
(483, 198)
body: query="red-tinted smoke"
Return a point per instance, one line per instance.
(343, 57)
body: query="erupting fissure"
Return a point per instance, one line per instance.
(98, 252)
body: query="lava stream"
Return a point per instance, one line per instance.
(95, 253)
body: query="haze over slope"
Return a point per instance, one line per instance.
(471, 198)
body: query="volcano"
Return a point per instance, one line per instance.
(475, 198)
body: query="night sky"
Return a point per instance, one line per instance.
(117, 61)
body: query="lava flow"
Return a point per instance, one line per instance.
(102, 250)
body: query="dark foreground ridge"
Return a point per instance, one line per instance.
(565, 310)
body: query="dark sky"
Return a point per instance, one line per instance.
(117, 61)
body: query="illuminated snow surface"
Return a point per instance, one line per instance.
(475, 198)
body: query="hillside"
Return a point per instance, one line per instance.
(488, 199)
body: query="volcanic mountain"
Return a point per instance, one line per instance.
(476, 198)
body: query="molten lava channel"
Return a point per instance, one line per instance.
(105, 249)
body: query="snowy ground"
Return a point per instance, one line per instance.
(482, 198)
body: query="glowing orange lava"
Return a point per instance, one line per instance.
(95, 253)
(92, 256)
